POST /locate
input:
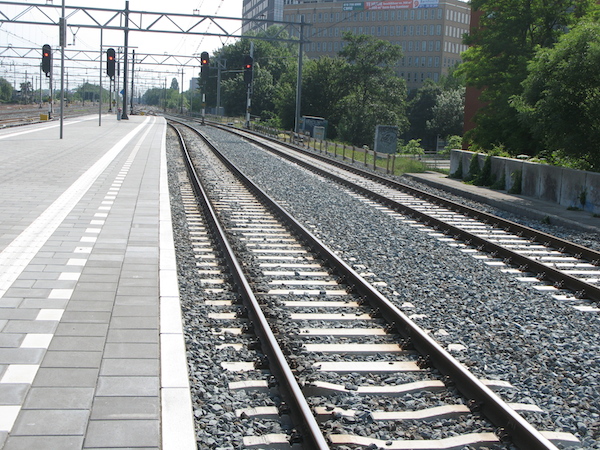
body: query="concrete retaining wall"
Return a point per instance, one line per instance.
(567, 187)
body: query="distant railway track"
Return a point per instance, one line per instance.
(570, 271)
(329, 321)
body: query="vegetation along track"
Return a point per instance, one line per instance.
(330, 322)
(570, 271)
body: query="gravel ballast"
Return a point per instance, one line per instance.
(511, 332)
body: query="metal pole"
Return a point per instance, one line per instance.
(299, 80)
(182, 90)
(249, 91)
(132, 73)
(100, 76)
(124, 113)
(219, 67)
(62, 38)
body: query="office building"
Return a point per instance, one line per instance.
(429, 31)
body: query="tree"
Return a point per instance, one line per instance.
(420, 112)
(448, 113)
(508, 34)
(6, 90)
(323, 89)
(274, 63)
(376, 95)
(560, 102)
(174, 84)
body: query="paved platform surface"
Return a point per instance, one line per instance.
(91, 346)
(518, 204)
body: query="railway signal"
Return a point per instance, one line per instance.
(204, 67)
(248, 65)
(47, 59)
(110, 63)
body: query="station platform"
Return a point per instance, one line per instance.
(92, 353)
(532, 208)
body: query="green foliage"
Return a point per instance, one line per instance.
(485, 176)
(510, 32)
(275, 65)
(474, 169)
(459, 171)
(375, 95)
(420, 113)
(6, 90)
(517, 181)
(452, 143)
(413, 147)
(561, 96)
(448, 112)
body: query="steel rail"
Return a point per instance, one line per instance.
(291, 391)
(510, 423)
(543, 272)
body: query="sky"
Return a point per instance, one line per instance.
(33, 36)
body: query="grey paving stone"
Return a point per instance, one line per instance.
(32, 293)
(75, 359)
(130, 350)
(13, 393)
(125, 408)
(65, 377)
(138, 291)
(23, 284)
(98, 286)
(90, 306)
(92, 296)
(132, 336)
(18, 314)
(77, 343)
(41, 303)
(30, 326)
(50, 422)
(135, 311)
(82, 329)
(101, 271)
(55, 284)
(134, 322)
(137, 300)
(11, 339)
(85, 316)
(130, 367)
(127, 386)
(11, 302)
(126, 433)
(21, 355)
(44, 442)
(59, 398)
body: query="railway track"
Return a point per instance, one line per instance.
(356, 356)
(570, 272)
